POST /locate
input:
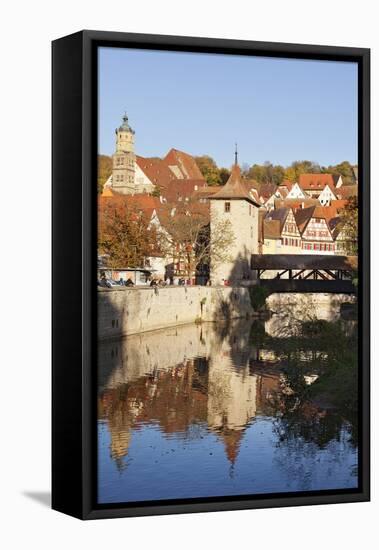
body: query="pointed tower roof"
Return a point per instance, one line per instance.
(234, 188)
(232, 441)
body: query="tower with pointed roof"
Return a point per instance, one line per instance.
(124, 160)
(234, 203)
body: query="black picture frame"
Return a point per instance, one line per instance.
(74, 152)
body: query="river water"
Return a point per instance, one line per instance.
(239, 408)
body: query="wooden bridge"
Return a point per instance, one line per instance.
(305, 272)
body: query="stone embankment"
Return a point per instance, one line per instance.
(132, 310)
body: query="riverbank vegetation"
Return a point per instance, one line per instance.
(320, 373)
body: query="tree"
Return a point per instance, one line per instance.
(257, 172)
(188, 240)
(124, 235)
(224, 174)
(269, 173)
(266, 173)
(344, 169)
(349, 227)
(290, 174)
(277, 174)
(104, 170)
(209, 169)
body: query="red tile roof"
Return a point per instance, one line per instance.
(107, 192)
(185, 162)
(139, 202)
(266, 190)
(309, 182)
(324, 212)
(339, 204)
(287, 184)
(295, 203)
(303, 216)
(156, 170)
(251, 184)
(283, 191)
(206, 191)
(181, 189)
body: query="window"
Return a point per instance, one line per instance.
(227, 207)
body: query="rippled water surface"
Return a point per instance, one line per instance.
(210, 410)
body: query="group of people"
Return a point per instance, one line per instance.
(108, 283)
(153, 281)
(167, 282)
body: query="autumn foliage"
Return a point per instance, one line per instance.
(125, 235)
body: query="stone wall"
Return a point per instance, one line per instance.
(130, 311)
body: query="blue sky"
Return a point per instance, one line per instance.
(279, 110)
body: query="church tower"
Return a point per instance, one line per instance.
(234, 204)
(124, 160)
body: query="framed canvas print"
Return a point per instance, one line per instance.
(210, 274)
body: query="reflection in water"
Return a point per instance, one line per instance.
(201, 410)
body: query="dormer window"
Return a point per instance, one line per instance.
(227, 207)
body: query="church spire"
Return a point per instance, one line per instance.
(236, 156)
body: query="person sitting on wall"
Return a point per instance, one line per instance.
(103, 280)
(153, 282)
(129, 282)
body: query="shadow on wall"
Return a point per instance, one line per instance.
(240, 273)
(234, 306)
(110, 314)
